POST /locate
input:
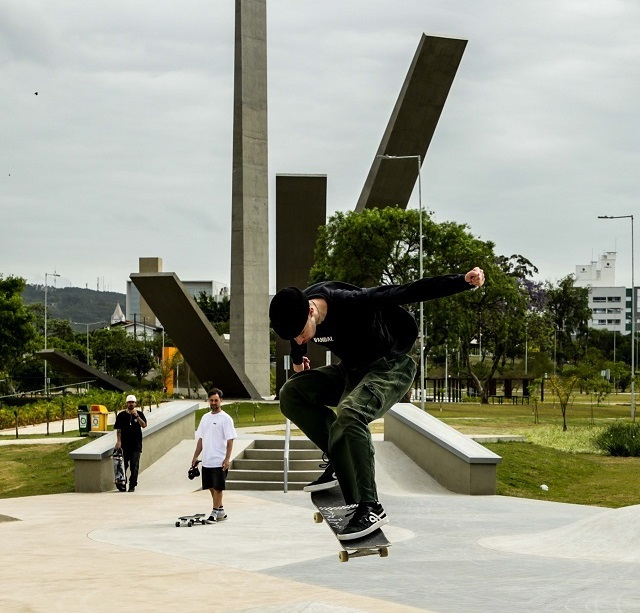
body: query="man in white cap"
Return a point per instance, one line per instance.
(128, 426)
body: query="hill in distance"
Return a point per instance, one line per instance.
(76, 304)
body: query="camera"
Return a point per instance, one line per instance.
(194, 472)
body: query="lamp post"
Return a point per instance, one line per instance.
(46, 285)
(92, 323)
(418, 159)
(633, 314)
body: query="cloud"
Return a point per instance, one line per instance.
(126, 151)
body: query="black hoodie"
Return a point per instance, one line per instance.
(365, 324)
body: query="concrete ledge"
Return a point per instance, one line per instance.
(451, 458)
(167, 426)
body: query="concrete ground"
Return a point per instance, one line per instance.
(450, 554)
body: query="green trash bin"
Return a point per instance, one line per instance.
(84, 424)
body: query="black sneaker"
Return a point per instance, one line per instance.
(367, 518)
(325, 481)
(132, 488)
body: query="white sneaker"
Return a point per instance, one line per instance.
(220, 515)
(212, 518)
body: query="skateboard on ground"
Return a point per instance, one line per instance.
(118, 470)
(190, 520)
(333, 509)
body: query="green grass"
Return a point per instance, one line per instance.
(32, 470)
(574, 478)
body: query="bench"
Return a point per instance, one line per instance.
(454, 460)
(167, 426)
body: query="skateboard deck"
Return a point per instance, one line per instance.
(118, 470)
(190, 520)
(333, 510)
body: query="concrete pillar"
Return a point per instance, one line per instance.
(146, 265)
(301, 208)
(249, 326)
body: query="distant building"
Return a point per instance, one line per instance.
(610, 304)
(597, 274)
(118, 315)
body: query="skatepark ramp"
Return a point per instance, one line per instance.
(454, 460)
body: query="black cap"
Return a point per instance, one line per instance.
(288, 312)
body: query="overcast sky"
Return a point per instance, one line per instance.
(126, 149)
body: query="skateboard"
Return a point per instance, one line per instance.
(118, 470)
(333, 509)
(190, 520)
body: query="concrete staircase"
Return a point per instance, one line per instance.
(261, 466)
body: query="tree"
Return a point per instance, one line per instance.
(498, 312)
(563, 386)
(382, 246)
(119, 354)
(217, 312)
(568, 307)
(16, 322)
(369, 248)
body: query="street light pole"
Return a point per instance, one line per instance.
(46, 285)
(91, 323)
(418, 159)
(633, 313)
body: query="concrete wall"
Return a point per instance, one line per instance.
(451, 458)
(301, 209)
(167, 426)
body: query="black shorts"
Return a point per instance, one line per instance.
(214, 478)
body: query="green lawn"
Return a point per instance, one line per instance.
(31, 470)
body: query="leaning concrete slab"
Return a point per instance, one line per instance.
(82, 371)
(249, 325)
(201, 346)
(412, 123)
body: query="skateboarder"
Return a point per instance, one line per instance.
(128, 426)
(215, 436)
(372, 334)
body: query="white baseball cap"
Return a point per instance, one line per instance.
(131, 398)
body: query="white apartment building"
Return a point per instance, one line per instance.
(610, 304)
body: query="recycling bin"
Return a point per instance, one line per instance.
(99, 416)
(84, 425)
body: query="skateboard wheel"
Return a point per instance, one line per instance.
(177, 524)
(190, 523)
(317, 517)
(384, 552)
(343, 556)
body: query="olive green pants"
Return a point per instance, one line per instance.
(359, 397)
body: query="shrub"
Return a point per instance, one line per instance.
(620, 439)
